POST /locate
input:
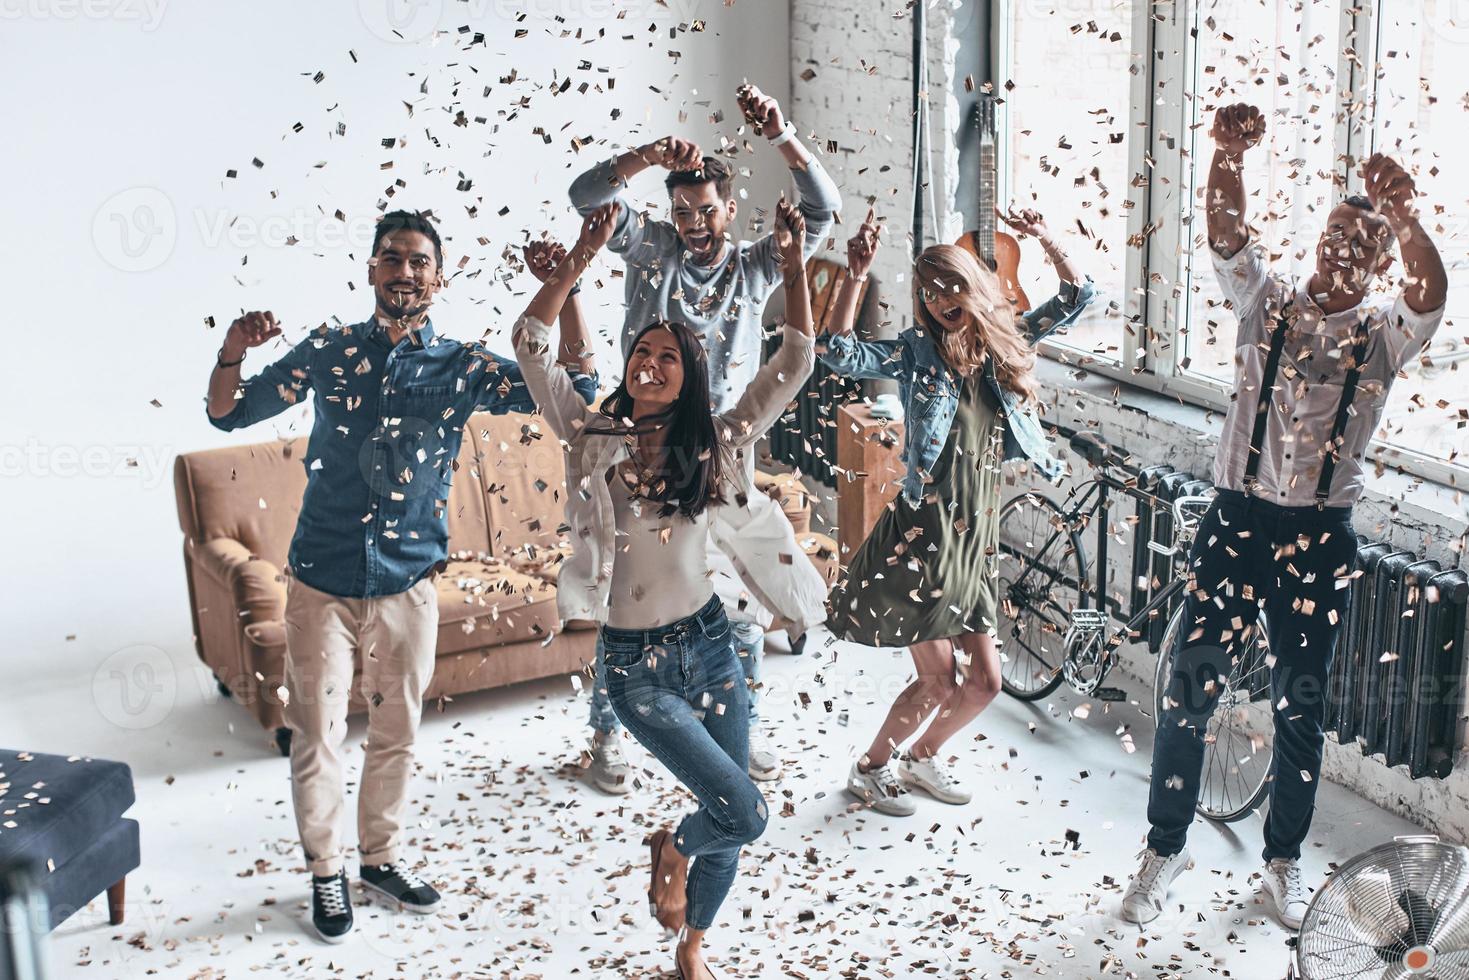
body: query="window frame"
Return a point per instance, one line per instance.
(1157, 129)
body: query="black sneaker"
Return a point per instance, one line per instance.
(398, 882)
(331, 907)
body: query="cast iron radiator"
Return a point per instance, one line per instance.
(1396, 683)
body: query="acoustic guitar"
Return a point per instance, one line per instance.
(996, 249)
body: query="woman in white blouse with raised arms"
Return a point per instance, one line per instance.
(642, 474)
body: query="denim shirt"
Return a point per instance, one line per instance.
(386, 428)
(930, 391)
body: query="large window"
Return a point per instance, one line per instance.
(1065, 135)
(1109, 137)
(1283, 61)
(1419, 118)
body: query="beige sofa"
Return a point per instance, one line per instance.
(498, 623)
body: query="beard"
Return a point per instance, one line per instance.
(396, 309)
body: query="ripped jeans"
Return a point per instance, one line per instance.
(680, 690)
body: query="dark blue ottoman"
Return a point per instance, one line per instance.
(67, 814)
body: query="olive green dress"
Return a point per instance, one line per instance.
(930, 572)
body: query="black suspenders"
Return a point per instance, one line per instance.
(1332, 446)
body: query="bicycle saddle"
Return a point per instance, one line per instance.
(1094, 449)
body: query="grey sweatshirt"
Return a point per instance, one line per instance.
(722, 302)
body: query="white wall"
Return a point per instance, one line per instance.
(861, 97)
(123, 117)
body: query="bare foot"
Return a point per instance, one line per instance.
(666, 893)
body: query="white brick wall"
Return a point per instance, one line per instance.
(861, 98)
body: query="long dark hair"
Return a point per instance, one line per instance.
(690, 473)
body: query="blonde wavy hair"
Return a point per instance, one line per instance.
(956, 273)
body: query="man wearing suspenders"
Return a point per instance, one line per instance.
(1314, 362)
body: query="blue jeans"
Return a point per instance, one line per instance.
(679, 689)
(1296, 588)
(749, 643)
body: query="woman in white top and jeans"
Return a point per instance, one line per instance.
(642, 474)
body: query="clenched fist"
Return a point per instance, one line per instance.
(761, 111)
(672, 153)
(1237, 128)
(1390, 189)
(250, 330)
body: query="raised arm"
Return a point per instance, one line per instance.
(1029, 222)
(233, 403)
(633, 235)
(839, 349)
(861, 250)
(1236, 128)
(1076, 290)
(820, 200)
(575, 352)
(553, 389)
(1392, 193)
(781, 378)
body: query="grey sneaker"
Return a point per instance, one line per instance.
(609, 771)
(1283, 884)
(1148, 889)
(764, 763)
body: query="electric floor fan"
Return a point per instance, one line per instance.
(1397, 912)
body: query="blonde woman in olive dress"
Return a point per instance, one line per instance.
(926, 576)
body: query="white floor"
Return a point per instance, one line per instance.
(545, 877)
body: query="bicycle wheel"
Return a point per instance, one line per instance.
(1041, 568)
(1239, 740)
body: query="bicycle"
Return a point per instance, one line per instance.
(1055, 623)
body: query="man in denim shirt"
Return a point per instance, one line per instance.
(392, 399)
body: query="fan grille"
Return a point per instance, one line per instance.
(1398, 911)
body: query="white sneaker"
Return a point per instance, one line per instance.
(1148, 889)
(882, 790)
(1283, 884)
(934, 776)
(764, 763)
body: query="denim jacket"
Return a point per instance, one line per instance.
(930, 391)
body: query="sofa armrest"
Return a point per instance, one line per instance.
(258, 588)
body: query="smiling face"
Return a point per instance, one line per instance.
(702, 217)
(1354, 249)
(655, 371)
(404, 273)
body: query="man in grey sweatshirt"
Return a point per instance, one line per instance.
(688, 270)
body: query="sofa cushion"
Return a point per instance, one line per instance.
(484, 602)
(53, 807)
(524, 480)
